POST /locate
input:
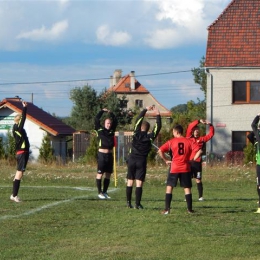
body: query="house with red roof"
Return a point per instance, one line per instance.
(233, 74)
(38, 123)
(136, 94)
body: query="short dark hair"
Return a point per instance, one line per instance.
(178, 128)
(145, 125)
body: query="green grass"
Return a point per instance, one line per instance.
(61, 218)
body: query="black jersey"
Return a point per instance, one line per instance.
(105, 136)
(20, 136)
(142, 141)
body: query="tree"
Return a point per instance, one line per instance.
(10, 147)
(85, 107)
(46, 150)
(179, 108)
(200, 76)
(2, 150)
(111, 101)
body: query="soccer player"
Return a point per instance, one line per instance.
(22, 146)
(105, 136)
(256, 131)
(181, 148)
(137, 161)
(196, 166)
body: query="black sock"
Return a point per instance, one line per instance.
(200, 189)
(16, 186)
(106, 184)
(138, 195)
(129, 190)
(98, 182)
(168, 200)
(189, 201)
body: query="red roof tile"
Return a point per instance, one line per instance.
(124, 86)
(234, 37)
(46, 121)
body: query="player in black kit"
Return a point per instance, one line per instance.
(137, 161)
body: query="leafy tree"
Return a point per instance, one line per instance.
(92, 150)
(87, 103)
(46, 150)
(85, 107)
(10, 147)
(200, 76)
(111, 101)
(179, 108)
(2, 150)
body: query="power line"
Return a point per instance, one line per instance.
(94, 79)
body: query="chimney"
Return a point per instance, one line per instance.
(132, 80)
(111, 81)
(117, 76)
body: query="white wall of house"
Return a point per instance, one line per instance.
(34, 133)
(228, 117)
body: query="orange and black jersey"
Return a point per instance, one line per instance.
(142, 141)
(20, 135)
(105, 136)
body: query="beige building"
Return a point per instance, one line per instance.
(233, 67)
(136, 94)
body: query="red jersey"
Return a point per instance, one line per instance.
(181, 148)
(201, 140)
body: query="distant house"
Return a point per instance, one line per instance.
(38, 123)
(136, 94)
(233, 67)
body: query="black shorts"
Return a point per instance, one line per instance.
(105, 163)
(22, 160)
(184, 177)
(136, 167)
(196, 169)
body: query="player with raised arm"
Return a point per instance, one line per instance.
(22, 146)
(105, 135)
(255, 139)
(137, 161)
(193, 133)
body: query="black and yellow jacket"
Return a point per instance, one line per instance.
(142, 141)
(105, 136)
(20, 136)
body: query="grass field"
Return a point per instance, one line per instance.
(61, 217)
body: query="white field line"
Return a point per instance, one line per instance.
(56, 187)
(50, 205)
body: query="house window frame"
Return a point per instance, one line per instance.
(248, 89)
(139, 103)
(245, 133)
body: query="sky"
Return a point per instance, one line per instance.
(48, 48)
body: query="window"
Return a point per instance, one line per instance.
(239, 140)
(139, 103)
(123, 103)
(246, 92)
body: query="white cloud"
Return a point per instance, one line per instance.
(181, 22)
(180, 12)
(115, 38)
(166, 38)
(45, 34)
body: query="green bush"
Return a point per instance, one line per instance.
(249, 153)
(92, 150)
(2, 150)
(10, 147)
(46, 150)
